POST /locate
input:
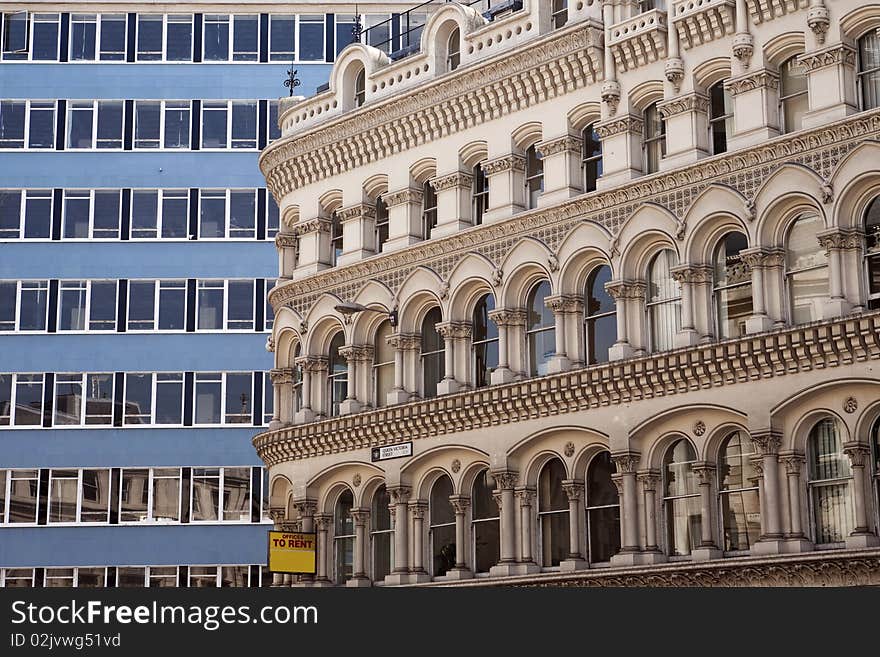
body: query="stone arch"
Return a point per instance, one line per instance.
(643, 234)
(531, 453)
(523, 267)
(329, 202)
(329, 483)
(280, 490)
(645, 94)
(783, 47)
(423, 169)
(580, 252)
(710, 72)
(354, 58)
(583, 115)
(424, 469)
(702, 219)
(467, 292)
(526, 135)
(472, 153)
(857, 22)
(712, 449)
(469, 475)
(776, 197)
(286, 342)
(416, 295)
(376, 185)
(326, 323)
(856, 181)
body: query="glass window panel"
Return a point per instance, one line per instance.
(177, 124)
(83, 37)
(202, 577)
(77, 211)
(144, 213)
(58, 578)
(281, 38)
(12, 116)
(214, 125)
(134, 495)
(45, 37)
(234, 576)
(869, 70)
(242, 213)
(110, 124)
(246, 36)
(166, 495)
(91, 578)
(8, 304)
(24, 486)
(172, 305)
(99, 399)
(3, 473)
(10, 214)
(244, 125)
(147, 118)
(236, 494)
(272, 216)
(175, 214)
(206, 494)
(162, 577)
(34, 304)
(130, 577)
(113, 34)
(216, 40)
(806, 265)
(37, 214)
(208, 398)
(15, 35)
(80, 119)
(149, 37)
(138, 398)
(212, 213)
(238, 399)
(179, 33)
(41, 131)
(102, 306)
(68, 399)
(433, 348)
(63, 485)
(169, 398)
(95, 504)
(141, 305)
(210, 305)
(240, 305)
(274, 129)
(108, 205)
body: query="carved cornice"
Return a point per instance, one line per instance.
(318, 224)
(401, 196)
(457, 179)
(767, 10)
(839, 53)
(286, 240)
(630, 123)
(505, 163)
(817, 346)
(359, 211)
(757, 80)
(690, 103)
(567, 144)
(556, 65)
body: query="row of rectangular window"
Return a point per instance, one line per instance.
(138, 124)
(176, 305)
(118, 37)
(137, 577)
(172, 495)
(126, 399)
(137, 214)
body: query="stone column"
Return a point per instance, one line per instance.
(323, 522)
(559, 304)
(743, 43)
(758, 466)
(350, 404)
(707, 549)
(755, 108)
(831, 81)
(399, 497)
(310, 365)
(527, 562)
(313, 240)
(358, 232)
(278, 515)
(759, 321)
(620, 291)
(794, 536)
(361, 518)
(862, 536)
(404, 218)
(687, 276)
(650, 480)
(610, 87)
(687, 127)
(625, 478)
(563, 178)
(417, 510)
(449, 384)
(835, 241)
(282, 396)
(287, 245)
(506, 175)
(460, 504)
(574, 490)
(622, 149)
(767, 445)
(506, 320)
(453, 202)
(505, 481)
(402, 343)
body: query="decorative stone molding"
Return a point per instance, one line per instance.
(460, 503)
(315, 225)
(568, 143)
(305, 508)
(819, 21)
(793, 463)
(694, 102)
(639, 40)
(277, 514)
(399, 494)
(743, 48)
(823, 345)
(401, 196)
(758, 80)
(358, 353)
(704, 471)
(508, 316)
(360, 516)
(626, 462)
(859, 453)
(525, 495)
(630, 123)
(458, 179)
(767, 10)
(281, 375)
(456, 466)
(286, 241)
(564, 303)
(505, 479)
(574, 490)
(405, 341)
(359, 211)
(702, 21)
(692, 273)
(313, 363)
(850, 405)
(455, 329)
(757, 257)
(649, 479)
(510, 162)
(620, 290)
(838, 238)
(569, 449)
(839, 53)
(766, 441)
(699, 428)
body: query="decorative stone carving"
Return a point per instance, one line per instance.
(354, 212)
(399, 494)
(859, 453)
(793, 463)
(699, 428)
(405, 341)
(504, 163)
(567, 143)
(837, 238)
(569, 449)
(674, 71)
(315, 225)
(497, 276)
(631, 124)
(286, 241)
(626, 462)
(313, 363)
(752, 81)
(689, 103)
(456, 466)
(818, 21)
(649, 479)
(610, 95)
(460, 503)
(305, 508)
(766, 442)
(270, 344)
(508, 316)
(850, 404)
(743, 48)
(839, 53)
(505, 479)
(401, 196)
(692, 273)
(574, 490)
(457, 179)
(356, 480)
(553, 263)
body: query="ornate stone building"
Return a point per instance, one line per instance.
(613, 269)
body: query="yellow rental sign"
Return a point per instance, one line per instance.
(292, 552)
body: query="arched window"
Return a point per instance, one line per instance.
(297, 380)
(591, 157)
(337, 375)
(733, 286)
(381, 224)
(806, 269)
(360, 88)
(343, 537)
(603, 510)
(831, 490)
(335, 239)
(600, 321)
(433, 362)
(720, 117)
(381, 534)
(442, 530)
(383, 364)
(534, 176)
(485, 525)
(794, 99)
(429, 210)
(540, 330)
(553, 513)
(872, 252)
(738, 493)
(875, 447)
(479, 194)
(453, 50)
(869, 70)
(485, 341)
(664, 301)
(653, 139)
(682, 499)
(559, 15)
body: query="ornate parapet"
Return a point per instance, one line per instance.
(702, 21)
(638, 41)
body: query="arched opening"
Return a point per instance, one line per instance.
(559, 13)
(794, 98)
(433, 351)
(591, 157)
(479, 194)
(806, 269)
(337, 375)
(485, 524)
(553, 513)
(681, 499)
(540, 330)
(732, 286)
(453, 50)
(381, 534)
(869, 70)
(653, 139)
(534, 176)
(872, 252)
(297, 379)
(831, 489)
(720, 117)
(603, 510)
(738, 493)
(429, 210)
(343, 538)
(663, 301)
(360, 88)
(442, 528)
(484, 341)
(383, 364)
(600, 316)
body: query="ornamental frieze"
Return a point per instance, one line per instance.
(568, 143)
(751, 81)
(688, 103)
(836, 54)
(401, 196)
(458, 179)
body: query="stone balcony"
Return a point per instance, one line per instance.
(702, 21)
(639, 41)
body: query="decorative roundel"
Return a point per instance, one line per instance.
(356, 480)
(456, 466)
(569, 449)
(699, 428)
(850, 404)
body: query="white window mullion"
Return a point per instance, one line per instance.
(162, 110)
(79, 495)
(228, 206)
(160, 193)
(220, 517)
(95, 111)
(164, 56)
(228, 125)
(153, 379)
(27, 125)
(225, 323)
(151, 484)
(223, 384)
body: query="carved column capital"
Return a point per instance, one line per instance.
(627, 124)
(859, 453)
(314, 225)
(323, 521)
(399, 494)
(691, 273)
(508, 316)
(401, 196)
(574, 489)
(564, 144)
(792, 462)
(705, 471)
(525, 494)
(760, 79)
(454, 180)
(418, 508)
(281, 375)
(505, 479)
(405, 341)
(511, 162)
(313, 363)
(649, 479)
(305, 508)
(360, 516)
(621, 289)
(766, 441)
(626, 461)
(692, 102)
(460, 503)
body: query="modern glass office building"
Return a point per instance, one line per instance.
(136, 249)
